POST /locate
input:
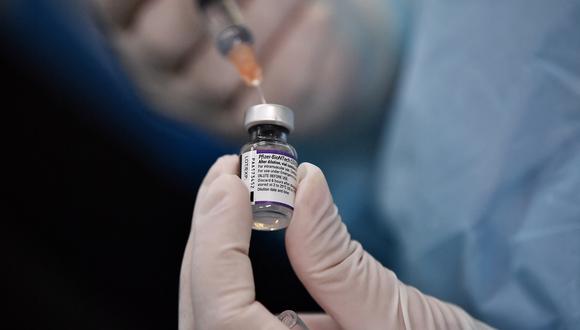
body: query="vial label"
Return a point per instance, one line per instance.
(270, 176)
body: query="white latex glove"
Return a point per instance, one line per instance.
(217, 285)
(347, 282)
(217, 288)
(320, 58)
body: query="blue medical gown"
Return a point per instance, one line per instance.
(479, 178)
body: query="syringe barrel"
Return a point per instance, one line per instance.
(231, 36)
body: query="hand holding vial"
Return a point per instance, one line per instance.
(356, 292)
(268, 165)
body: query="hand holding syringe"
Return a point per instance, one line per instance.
(233, 39)
(313, 56)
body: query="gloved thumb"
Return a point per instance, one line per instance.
(217, 284)
(346, 281)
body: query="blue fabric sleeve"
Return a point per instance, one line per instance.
(59, 40)
(480, 165)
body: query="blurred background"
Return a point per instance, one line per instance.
(112, 145)
(449, 133)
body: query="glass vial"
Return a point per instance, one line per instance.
(268, 165)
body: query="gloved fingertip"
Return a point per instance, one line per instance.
(226, 164)
(312, 194)
(312, 207)
(319, 321)
(307, 168)
(225, 191)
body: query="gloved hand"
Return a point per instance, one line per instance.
(354, 289)
(320, 58)
(217, 288)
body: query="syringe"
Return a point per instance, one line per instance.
(233, 39)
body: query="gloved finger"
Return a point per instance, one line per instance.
(227, 164)
(224, 165)
(185, 315)
(346, 282)
(319, 321)
(222, 279)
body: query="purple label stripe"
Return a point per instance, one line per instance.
(272, 202)
(277, 152)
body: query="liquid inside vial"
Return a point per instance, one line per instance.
(269, 165)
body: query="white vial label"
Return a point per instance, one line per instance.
(270, 176)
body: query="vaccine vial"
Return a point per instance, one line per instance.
(268, 165)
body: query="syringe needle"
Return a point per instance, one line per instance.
(261, 93)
